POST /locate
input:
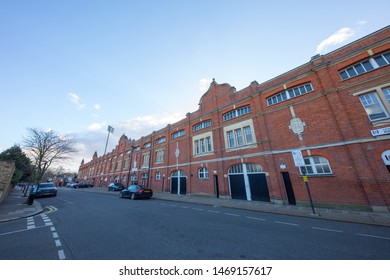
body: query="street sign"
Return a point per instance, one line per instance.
(380, 131)
(298, 158)
(386, 157)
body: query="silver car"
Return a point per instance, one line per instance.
(46, 189)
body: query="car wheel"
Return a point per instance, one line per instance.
(133, 196)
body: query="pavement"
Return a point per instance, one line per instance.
(14, 206)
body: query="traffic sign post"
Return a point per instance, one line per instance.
(300, 162)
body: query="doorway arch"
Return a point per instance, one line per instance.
(247, 181)
(178, 182)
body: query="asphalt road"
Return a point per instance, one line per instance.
(83, 225)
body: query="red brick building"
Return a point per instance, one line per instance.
(245, 144)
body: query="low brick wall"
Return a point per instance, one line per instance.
(7, 169)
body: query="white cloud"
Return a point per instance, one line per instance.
(145, 125)
(97, 106)
(75, 99)
(362, 22)
(204, 84)
(95, 126)
(94, 136)
(339, 37)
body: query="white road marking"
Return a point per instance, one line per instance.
(327, 229)
(61, 254)
(255, 218)
(197, 209)
(288, 224)
(212, 211)
(230, 214)
(373, 236)
(58, 242)
(55, 235)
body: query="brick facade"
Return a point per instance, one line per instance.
(238, 144)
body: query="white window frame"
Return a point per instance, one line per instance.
(382, 94)
(203, 173)
(360, 69)
(240, 135)
(290, 93)
(313, 168)
(235, 113)
(159, 156)
(145, 160)
(178, 133)
(202, 144)
(201, 125)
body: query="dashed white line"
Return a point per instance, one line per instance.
(58, 242)
(373, 236)
(61, 254)
(55, 235)
(197, 209)
(230, 214)
(213, 211)
(255, 218)
(288, 224)
(327, 229)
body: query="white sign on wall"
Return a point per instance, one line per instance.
(380, 131)
(298, 158)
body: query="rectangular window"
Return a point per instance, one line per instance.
(202, 125)
(290, 93)
(236, 113)
(230, 136)
(373, 106)
(386, 92)
(160, 140)
(208, 144)
(146, 158)
(197, 147)
(248, 135)
(159, 156)
(239, 139)
(178, 134)
(203, 145)
(365, 66)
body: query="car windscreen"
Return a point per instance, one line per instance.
(44, 186)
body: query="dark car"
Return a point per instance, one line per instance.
(135, 191)
(81, 186)
(115, 187)
(46, 189)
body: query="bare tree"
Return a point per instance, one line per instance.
(45, 148)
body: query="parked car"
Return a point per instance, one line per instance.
(82, 185)
(115, 187)
(46, 189)
(135, 191)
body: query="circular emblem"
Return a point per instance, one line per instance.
(296, 125)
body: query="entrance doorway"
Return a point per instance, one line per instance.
(178, 182)
(247, 181)
(289, 188)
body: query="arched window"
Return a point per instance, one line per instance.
(203, 173)
(316, 165)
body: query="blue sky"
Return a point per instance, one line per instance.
(78, 66)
